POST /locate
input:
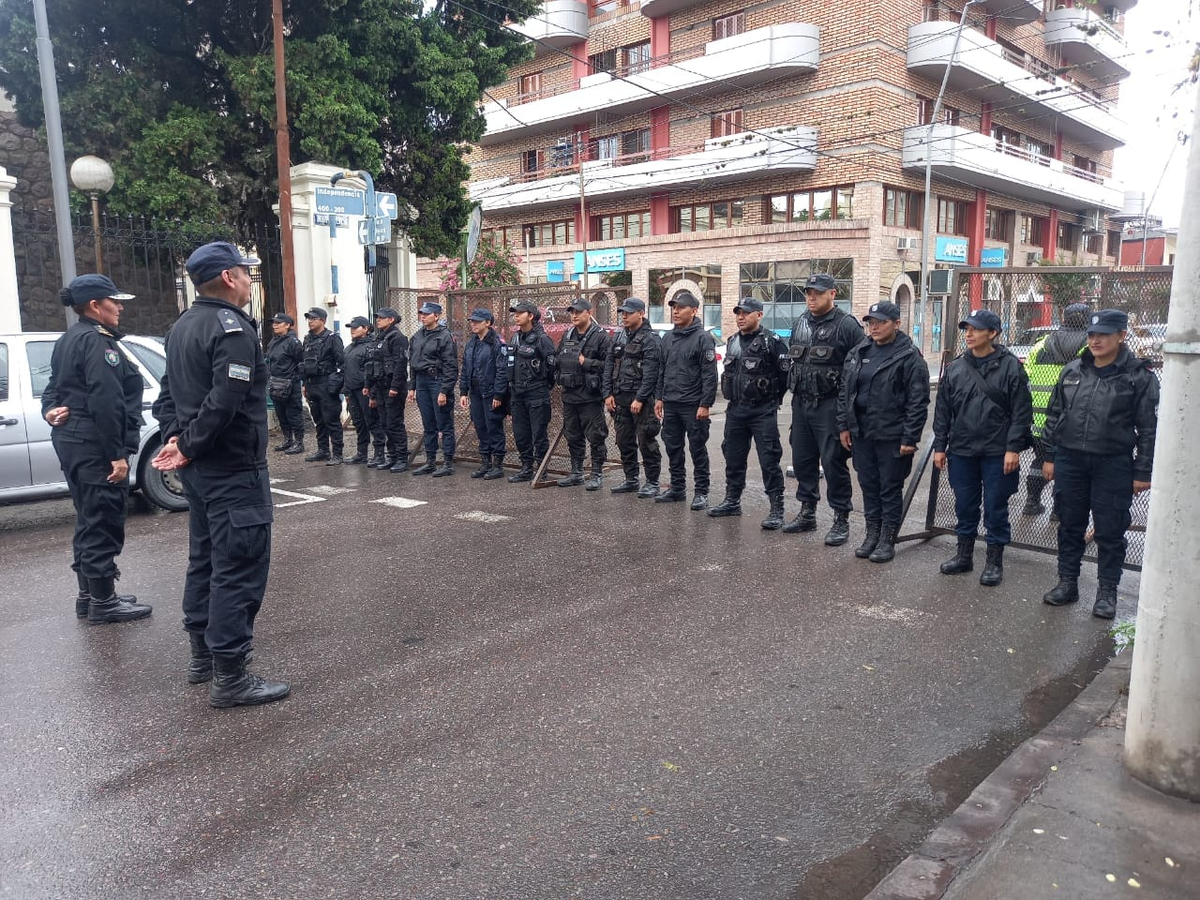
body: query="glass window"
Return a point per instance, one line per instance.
(38, 355)
(3, 371)
(728, 26)
(845, 203)
(637, 57)
(685, 218)
(822, 205)
(780, 285)
(800, 206)
(736, 208)
(901, 208)
(703, 218)
(779, 208)
(155, 363)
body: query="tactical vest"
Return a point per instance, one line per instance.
(1042, 379)
(816, 361)
(757, 373)
(312, 365)
(375, 368)
(525, 361)
(629, 359)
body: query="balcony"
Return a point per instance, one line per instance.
(1087, 40)
(559, 24)
(789, 149)
(1020, 84)
(977, 159)
(652, 9)
(743, 60)
(1014, 12)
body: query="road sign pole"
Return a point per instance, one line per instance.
(369, 210)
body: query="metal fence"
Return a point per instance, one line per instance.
(1030, 302)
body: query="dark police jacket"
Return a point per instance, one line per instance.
(898, 400)
(324, 357)
(485, 366)
(967, 422)
(213, 396)
(688, 373)
(1106, 416)
(818, 349)
(284, 354)
(387, 361)
(92, 377)
(581, 383)
(434, 355)
(631, 366)
(354, 368)
(532, 362)
(756, 368)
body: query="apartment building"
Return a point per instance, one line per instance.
(733, 147)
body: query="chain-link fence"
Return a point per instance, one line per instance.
(1030, 302)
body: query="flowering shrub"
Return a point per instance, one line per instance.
(494, 266)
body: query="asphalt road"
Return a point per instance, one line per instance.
(509, 693)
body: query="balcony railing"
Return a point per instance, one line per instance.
(1086, 39)
(558, 24)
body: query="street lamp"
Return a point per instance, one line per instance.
(94, 177)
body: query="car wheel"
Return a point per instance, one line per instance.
(162, 489)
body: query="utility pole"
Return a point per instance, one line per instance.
(1162, 732)
(583, 218)
(283, 153)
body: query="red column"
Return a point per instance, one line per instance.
(985, 119)
(579, 63)
(990, 27)
(660, 36)
(660, 131)
(579, 232)
(660, 214)
(1058, 146)
(976, 219)
(1050, 238)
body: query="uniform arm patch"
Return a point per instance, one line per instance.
(239, 372)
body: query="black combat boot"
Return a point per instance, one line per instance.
(649, 490)
(525, 473)
(380, 460)
(84, 599)
(446, 468)
(105, 606)
(358, 459)
(485, 464)
(730, 506)
(285, 443)
(672, 495)
(232, 685)
(497, 469)
(870, 540)
(993, 569)
(963, 559)
(1066, 591)
(297, 445)
(806, 519)
(839, 531)
(699, 502)
(1106, 600)
(430, 465)
(596, 480)
(774, 519)
(335, 456)
(200, 666)
(628, 486)
(321, 454)
(885, 550)
(1034, 485)
(398, 464)
(576, 477)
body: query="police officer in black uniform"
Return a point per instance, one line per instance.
(213, 409)
(324, 357)
(1099, 451)
(93, 402)
(881, 414)
(630, 380)
(821, 339)
(687, 389)
(365, 417)
(754, 382)
(284, 354)
(484, 388)
(581, 355)
(387, 384)
(533, 362)
(434, 363)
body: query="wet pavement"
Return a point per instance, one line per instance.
(501, 692)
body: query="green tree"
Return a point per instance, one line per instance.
(179, 96)
(1065, 288)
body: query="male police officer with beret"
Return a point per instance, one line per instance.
(358, 400)
(212, 406)
(687, 389)
(93, 402)
(284, 355)
(434, 363)
(630, 380)
(387, 384)
(324, 357)
(581, 355)
(532, 362)
(484, 387)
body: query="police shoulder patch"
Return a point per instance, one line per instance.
(100, 329)
(710, 354)
(239, 372)
(112, 358)
(229, 322)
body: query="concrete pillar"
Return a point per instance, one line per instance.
(1162, 734)
(10, 307)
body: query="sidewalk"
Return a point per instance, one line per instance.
(1061, 818)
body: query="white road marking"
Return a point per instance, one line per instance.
(399, 502)
(302, 498)
(478, 515)
(332, 489)
(889, 613)
(281, 480)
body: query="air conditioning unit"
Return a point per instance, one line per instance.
(939, 281)
(906, 243)
(1031, 259)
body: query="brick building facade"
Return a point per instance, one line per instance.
(738, 145)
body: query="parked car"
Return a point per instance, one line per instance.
(1025, 339)
(29, 467)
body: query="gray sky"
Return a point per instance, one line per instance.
(1152, 107)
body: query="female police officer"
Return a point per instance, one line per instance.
(93, 401)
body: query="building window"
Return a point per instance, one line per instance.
(502, 236)
(780, 287)
(726, 122)
(996, 227)
(901, 208)
(608, 147)
(532, 161)
(529, 87)
(706, 216)
(728, 26)
(1039, 151)
(818, 205)
(635, 58)
(546, 234)
(947, 116)
(1032, 230)
(1005, 137)
(635, 145)
(951, 216)
(1094, 243)
(600, 7)
(1114, 243)
(619, 226)
(1067, 236)
(605, 61)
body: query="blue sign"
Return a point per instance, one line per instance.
(993, 258)
(601, 261)
(341, 201)
(374, 231)
(386, 206)
(556, 270)
(951, 250)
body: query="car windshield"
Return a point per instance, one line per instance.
(153, 360)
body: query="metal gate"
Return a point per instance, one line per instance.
(1030, 302)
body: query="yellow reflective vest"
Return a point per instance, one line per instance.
(1042, 379)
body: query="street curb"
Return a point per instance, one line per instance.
(928, 873)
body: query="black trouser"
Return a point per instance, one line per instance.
(229, 553)
(391, 419)
(679, 420)
(489, 424)
(367, 427)
(1103, 486)
(100, 507)
(816, 444)
(881, 471)
(761, 423)
(531, 425)
(289, 411)
(637, 433)
(436, 418)
(326, 408)
(584, 426)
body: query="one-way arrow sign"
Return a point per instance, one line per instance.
(386, 206)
